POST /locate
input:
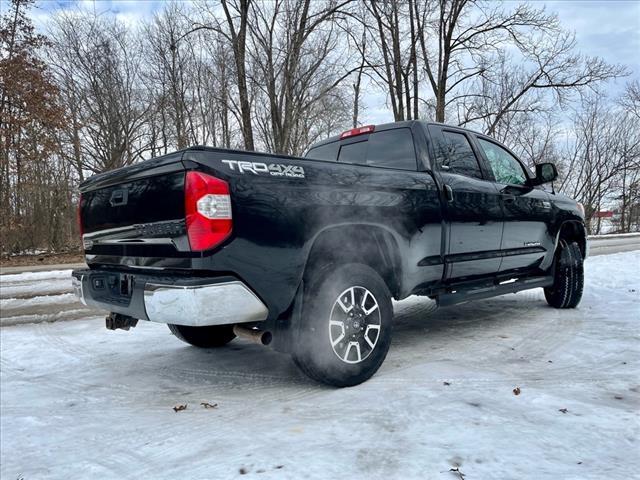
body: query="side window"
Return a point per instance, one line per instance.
(458, 156)
(353, 153)
(328, 151)
(506, 169)
(392, 149)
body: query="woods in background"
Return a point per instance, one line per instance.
(94, 93)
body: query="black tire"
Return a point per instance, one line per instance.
(568, 284)
(204, 337)
(314, 353)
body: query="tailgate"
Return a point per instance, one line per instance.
(136, 210)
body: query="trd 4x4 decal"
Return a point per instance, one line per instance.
(258, 168)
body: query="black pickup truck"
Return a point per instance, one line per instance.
(305, 254)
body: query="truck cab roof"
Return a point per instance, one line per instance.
(391, 126)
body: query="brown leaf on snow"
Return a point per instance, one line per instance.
(179, 408)
(208, 405)
(516, 391)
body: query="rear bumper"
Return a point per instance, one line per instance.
(178, 300)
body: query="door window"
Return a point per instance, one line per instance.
(506, 169)
(458, 156)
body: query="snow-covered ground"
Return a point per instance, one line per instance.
(78, 401)
(39, 297)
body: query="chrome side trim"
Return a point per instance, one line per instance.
(76, 283)
(122, 236)
(131, 241)
(109, 231)
(203, 305)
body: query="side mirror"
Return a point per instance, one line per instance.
(545, 173)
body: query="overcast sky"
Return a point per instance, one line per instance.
(606, 28)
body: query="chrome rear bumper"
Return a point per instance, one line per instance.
(189, 302)
(203, 305)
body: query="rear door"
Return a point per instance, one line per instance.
(526, 210)
(392, 155)
(472, 209)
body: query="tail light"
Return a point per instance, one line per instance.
(207, 210)
(79, 216)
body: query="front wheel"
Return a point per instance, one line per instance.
(345, 329)
(204, 337)
(568, 283)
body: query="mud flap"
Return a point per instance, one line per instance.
(285, 331)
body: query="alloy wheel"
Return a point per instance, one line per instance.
(354, 325)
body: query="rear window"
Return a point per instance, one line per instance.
(328, 152)
(353, 153)
(388, 148)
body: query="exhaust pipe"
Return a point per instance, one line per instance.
(117, 320)
(260, 337)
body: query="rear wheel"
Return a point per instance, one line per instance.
(204, 337)
(568, 284)
(345, 330)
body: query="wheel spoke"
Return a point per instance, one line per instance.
(364, 301)
(346, 309)
(336, 323)
(355, 345)
(366, 334)
(364, 298)
(368, 340)
(370, 310)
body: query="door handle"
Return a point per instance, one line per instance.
(448, 193)
(509, 198)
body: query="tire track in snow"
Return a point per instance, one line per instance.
(197, 380)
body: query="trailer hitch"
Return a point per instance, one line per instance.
(115, 321)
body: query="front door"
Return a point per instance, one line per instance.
(527, 210)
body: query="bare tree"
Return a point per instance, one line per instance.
(292, 40)
(234, 28)
(357, 85)
(170, 66)
(35, 193)
(535, 138)
(628, 183)
(103, 60)
(395, 36)
(512, 88)
(595, 154)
